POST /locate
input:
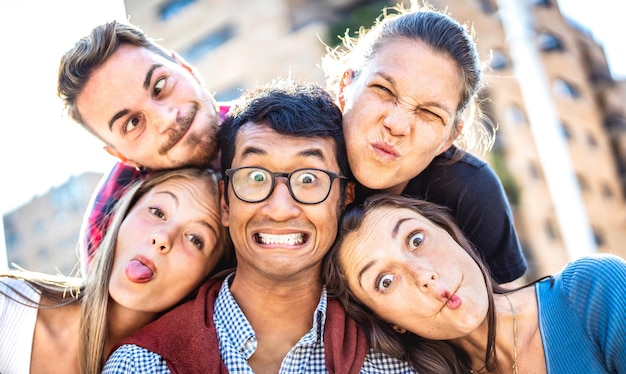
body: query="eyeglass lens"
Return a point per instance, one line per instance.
(309, 186)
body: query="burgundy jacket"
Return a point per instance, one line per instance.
(186, 337)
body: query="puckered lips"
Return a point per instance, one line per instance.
(384, 151)
(451, 299)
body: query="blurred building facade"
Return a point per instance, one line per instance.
(42, 235)
(238, 44)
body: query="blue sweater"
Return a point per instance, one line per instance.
(582, 316)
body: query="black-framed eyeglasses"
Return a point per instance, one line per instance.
(306, 186)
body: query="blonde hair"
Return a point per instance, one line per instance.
(55, 290)
(94, 324)
(92, 290)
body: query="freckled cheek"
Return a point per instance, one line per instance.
(392, 311)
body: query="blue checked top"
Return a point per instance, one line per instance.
(237, 343)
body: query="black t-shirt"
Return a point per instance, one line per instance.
(476, 198)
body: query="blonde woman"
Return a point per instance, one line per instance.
(164, 240)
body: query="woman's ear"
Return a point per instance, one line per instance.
(345, 81)
(458, 129)
(456, 132)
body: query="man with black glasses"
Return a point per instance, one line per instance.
(285, 186)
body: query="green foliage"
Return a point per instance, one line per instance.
(511, 188)
(353, 19)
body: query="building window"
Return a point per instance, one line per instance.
(13, 240)
(563, 88)
(208, 43)
(515, 115)
(565, 131)
(67, 197)
(67, 241)
(551, 232)
(607, 192)
(615, 122)
(171, 8)
(534, 171)
(40, 227)
(600, 74)
(62, 215)
(43, 253)
(545, 3)
(582, 182)
(549, 42)
(591, 141)
(488, 6)
(598, 237)
(499, 60)
(529, 253)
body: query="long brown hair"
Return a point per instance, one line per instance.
(425, 355)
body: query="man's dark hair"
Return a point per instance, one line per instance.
(290, 108)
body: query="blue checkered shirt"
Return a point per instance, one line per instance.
(237, 342)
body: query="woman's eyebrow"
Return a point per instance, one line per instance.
(394, 234)
(365, 268)
(396, 227)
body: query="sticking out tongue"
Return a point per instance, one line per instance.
(137, 272)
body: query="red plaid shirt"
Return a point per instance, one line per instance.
(99, 219)
(111, 189)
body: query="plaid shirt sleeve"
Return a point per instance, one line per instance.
(224, 107)
(111, 188)
(130, 359)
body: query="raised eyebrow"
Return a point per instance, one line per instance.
(205, 223)
(394, 234)
(312, 152)
(146, 86)
(117, 116)
(252, 150)
(365, 268)
(396, 227)
(146, 82)
(172, 195)
(202, 222)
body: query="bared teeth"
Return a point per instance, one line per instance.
(288, 239)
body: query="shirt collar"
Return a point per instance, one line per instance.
(229, 316)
